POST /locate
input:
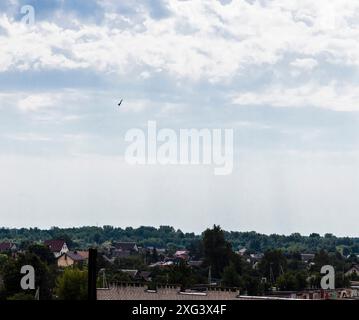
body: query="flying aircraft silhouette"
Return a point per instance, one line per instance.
(120, 103)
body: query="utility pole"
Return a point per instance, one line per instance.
(92, 275)
(210, 275)
(37, 294)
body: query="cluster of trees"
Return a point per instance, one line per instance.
(281, 265)
(284, 270)
(50, 282)
(169, 238)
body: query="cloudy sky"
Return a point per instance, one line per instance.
(283, 74)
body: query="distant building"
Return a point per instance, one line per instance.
(307, 257)
(57, 247)
(162, 264)
(83, 253)
(124, 249)
(160, 251)
(256, 257)
(354, 270)
(143, 276)
(7, 247)
(242, 251)
(182, 254)
(131, 272)
(69, 259)
(195, 263)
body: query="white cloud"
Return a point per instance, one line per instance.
(306, 64)
(29, 102)
(134, 106)
(198, 41)
(26, 137)
(332, 96)
(35, 102)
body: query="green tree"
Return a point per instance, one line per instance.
(217, 251)
(292, 281)
(72, 285)
(230, 276)
(181, 274)
(43, 276)
(43, 252)
(321, 259)
(154, 257)
(273, 264)
(3, 260)
(252, 285)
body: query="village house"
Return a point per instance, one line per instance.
(136, 275)
(57, 247)
(307, 257)
(195, 263)
(162, 264)
(7, 247)
(242, 251)
(182, 254)
(124, 249)
(255, 258)
(354, 270)
(160, 251)
(69, 259)
(83, 253)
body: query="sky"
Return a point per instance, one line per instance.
(282, 74)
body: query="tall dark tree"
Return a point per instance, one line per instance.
(154, 256)
(43, 252)
(181, 274)
(217, 251)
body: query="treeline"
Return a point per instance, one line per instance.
(277, 269)
(169, 238)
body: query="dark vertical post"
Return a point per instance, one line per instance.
(92, 275)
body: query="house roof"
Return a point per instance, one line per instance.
(131, 272)
(55, 245)
(143, 275)
(256, 256)
(125, 246)
(84, 254)
(181, 253)
(307, 256)
(4, 246)
(161, 264)
(75, 256)
(194, 263)
(355, 266)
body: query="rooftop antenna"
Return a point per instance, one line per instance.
(104, 280)
(37, 293)
(271, 273)
(210, 275)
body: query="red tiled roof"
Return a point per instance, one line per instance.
(4, 246)
(55, 245)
